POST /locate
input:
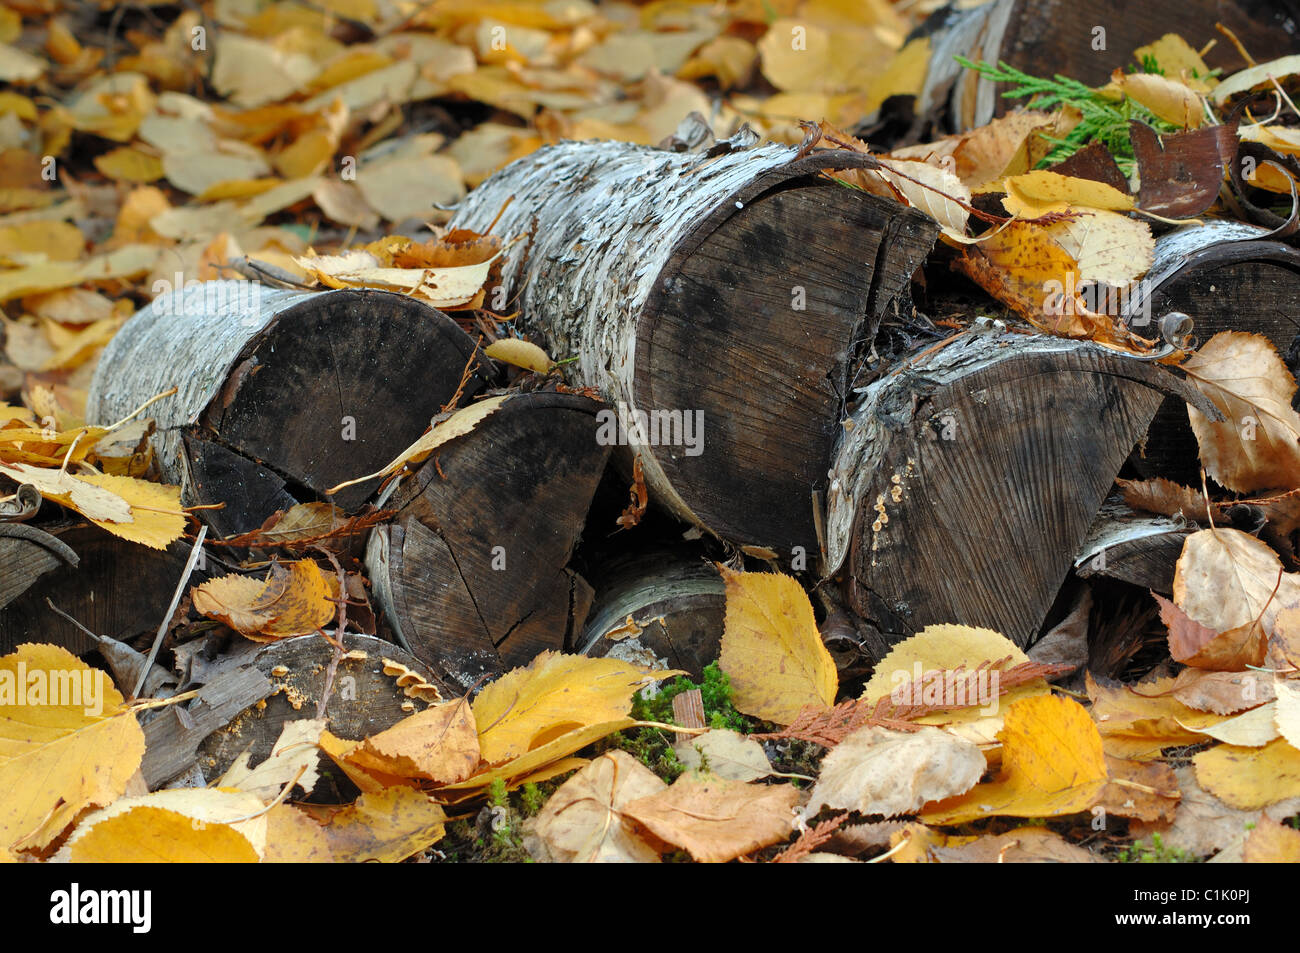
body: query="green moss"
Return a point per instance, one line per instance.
(715, 693)
(1154, 853)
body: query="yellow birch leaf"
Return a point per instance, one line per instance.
(292, 837)
(1039, 192)
(1250, 778)
(1167, 98)
(457, 425)
(301, 606)
(771, 649)
(1052, 764)
(437, 744)
(129, 164)
(555, 694)
(535, 764)
(388, 826)
(155, 835)
(67, 743)
(229, 599)
(948, 648)
(157, 519)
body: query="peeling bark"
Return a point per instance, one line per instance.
(281, 394)
(731, 289)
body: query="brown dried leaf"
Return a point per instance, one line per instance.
(717, 820)
(1257, 446)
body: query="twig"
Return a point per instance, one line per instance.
(167, 617)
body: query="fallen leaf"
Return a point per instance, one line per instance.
(1250, 778)
(155, 835)
(67, 743)
(520, 353)
(1052, 764)
(725, 753)
(717, 820)
(388, 826)
(292, 760)
(1257, 446)
(1228, 580)
(437, 744)
(771, 649)
(880, 771)
(555, 694)
(584, 820)
(1272, 843)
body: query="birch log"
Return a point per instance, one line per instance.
(662, 607)
(471, 573)
(1228, 276)
(723, 297)
(1085, 40)
(282, 394)
(968, 478)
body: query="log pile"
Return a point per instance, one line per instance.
(742, 350)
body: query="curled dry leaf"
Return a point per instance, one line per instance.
(1228, 580)
(584, 821)
(880, 771)
(1257, 446)
(520, 353)
(1203, 647)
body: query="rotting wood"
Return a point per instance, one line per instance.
(364, 700)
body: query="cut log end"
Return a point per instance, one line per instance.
(972, 474)
(472, 571)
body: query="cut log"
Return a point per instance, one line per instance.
(471, 572)
(281, 394)
(661, 607)
(1137, 548)
(364, 701)
(969, 476)
(1227, 277)
(719, 300)
(1085, 40)
(117, 589)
